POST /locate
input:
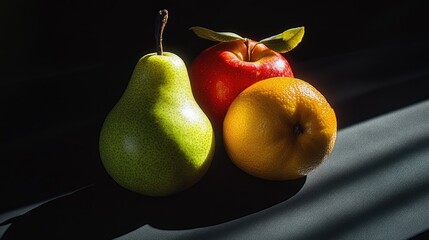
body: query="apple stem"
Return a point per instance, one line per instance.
(246, 42)
(254, 47)
(250, 50)
(161, 21)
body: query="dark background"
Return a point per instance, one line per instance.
(64, 64)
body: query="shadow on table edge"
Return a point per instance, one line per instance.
(106, 210)
(424, 235)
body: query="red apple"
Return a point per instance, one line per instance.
(219, 73)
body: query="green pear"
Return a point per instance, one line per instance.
(156, 140)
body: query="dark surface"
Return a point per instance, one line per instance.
(373, 186)
(104, 210)
(65, 63)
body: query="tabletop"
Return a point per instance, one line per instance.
(373, 186)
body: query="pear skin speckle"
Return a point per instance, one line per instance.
(156, 140)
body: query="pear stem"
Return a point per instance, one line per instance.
(161, 21)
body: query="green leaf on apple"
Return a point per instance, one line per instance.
(282, 43)
(215, 36)
(285, 41)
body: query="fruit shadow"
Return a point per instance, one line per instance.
(105, 210)
(225, 193)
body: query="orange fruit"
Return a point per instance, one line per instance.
(279, 128)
